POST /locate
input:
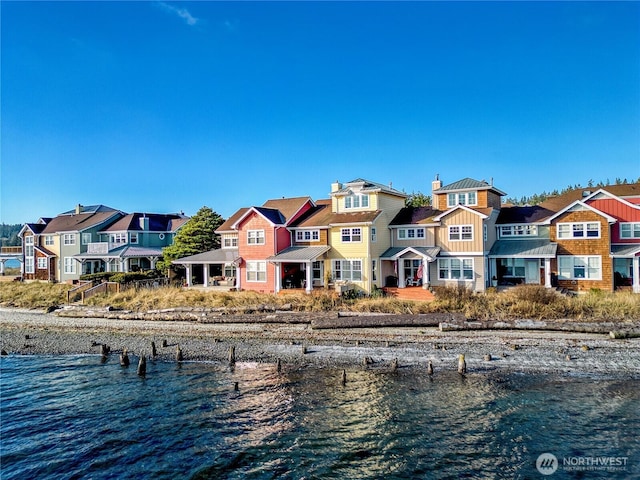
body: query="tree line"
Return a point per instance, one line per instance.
(9, 234)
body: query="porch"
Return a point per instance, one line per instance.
(300, 268)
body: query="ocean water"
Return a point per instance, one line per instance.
(77, 417)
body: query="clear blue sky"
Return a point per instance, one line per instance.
(169, 106)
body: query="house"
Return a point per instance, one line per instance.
(446, 244)
(50, 246)
(132, 243)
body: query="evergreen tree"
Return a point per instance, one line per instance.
(195, 236)
(418, 199)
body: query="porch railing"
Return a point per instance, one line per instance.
(105, 287)
(75, 294)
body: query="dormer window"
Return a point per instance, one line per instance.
(465, 198)
(356, 201)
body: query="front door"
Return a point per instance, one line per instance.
(532, 273)
(317, 272)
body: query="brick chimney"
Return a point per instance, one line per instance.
(435, 185)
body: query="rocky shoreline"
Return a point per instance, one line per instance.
(266, 336)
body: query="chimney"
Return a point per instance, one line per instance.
(435, 185)
(78, 209)
(144, 222)
(336, 186)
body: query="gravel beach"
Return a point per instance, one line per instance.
(25, 332)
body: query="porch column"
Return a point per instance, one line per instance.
(426, 277)
(152, 262)
(636, 274)
(547, 272)
(278, 286)
(309, 277)
(401, 279)
(2, 267)
(493, 271)
(188, 274)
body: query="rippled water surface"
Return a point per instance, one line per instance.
(77, 417)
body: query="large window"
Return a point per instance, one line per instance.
(230, 242)
(579, 230)
(512, 267)
(42, 263)
(307, 235)
(118, 238)
(356, 201)
(69, 265)
(351, 234)
(28, 246)
(48, 240)
(86, 238)
(460, 232)
(28, 265)
(69, 239)
(630, 230)
(348, 270)
(255, 237)
(579, 268)
(467, 198)
(410, 233)
(256, 271)
(455, 268)
(518, 231)
(133, 237)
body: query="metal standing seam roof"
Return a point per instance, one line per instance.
(368, 186)
(219, 255)
(123, 252)
(630, 250)
(395, 252)
(523, 249)
(467, 184)
(299, 254)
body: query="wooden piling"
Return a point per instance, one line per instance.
(104, 350)
(3, 353)
(142, 366)
(232, 355)
(487, 357)
(304, 350)
(279, 366)
(179, 356)
(164, 343)
(235, 386)
(462, 365)
(343, 377)
(430, 368)
(394, 365)
(124, 358)
(154, 352)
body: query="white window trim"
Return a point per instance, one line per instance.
(465, 197)
(42, 263)
(518, 231)
(69, 239)
(339, 273)
(572, 230)
(230, 242)
(134, 238)
(634, 230)
(253, 270)
(48, 240)
(314, 235)
(257, 236)
(29, 266)
(359, 198)
(350, 232)
(460, 232)
(585, 261)
(416, 233)
(448, 267)
(69, 266)
(86, 238)
(374, 234)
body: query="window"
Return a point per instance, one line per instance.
(118, 238)
(28, 246)
(133, 237)
(356, 201)
(579, 268)
(255, 237)
(86, 238)
(630, 230)
(579, 230)
(28, 265)
(347, 270)
(230, 242)
(410, 233)
(519, 231)
(512, 267)
(307, 235)
(42, 263)
(256, 271)
(229, 271)
(69, 265)
(468, 198)
(374, 270)
(455, 268)
(69, 239)
(374, 235)
(351, 234)
(48, 240)
(460, 232)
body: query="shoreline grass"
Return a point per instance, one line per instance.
(527, 301)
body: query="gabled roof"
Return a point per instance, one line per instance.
(477, 211)
(36, 228)
(597, 195)
(630, 250)
(278, 212)
(227, 225)
(288, 207)
(367, 186)
(44, 251)
(310, 218)
(393, 253)
(77, 223)
(525, 214)
(415, 216)
(579, 206)
(157, 222)
(89, 209)
(323, 217)
(560, 201)
(467, 184)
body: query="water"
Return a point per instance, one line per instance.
(74, 417)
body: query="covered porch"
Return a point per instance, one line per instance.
(121, 259)
(626, 267)
(300, 267)
(404, 267)
(212, 269)
(515, 262)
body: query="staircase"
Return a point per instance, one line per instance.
(416, 294)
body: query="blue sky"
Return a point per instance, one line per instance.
(169, 106)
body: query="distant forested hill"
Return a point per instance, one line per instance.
(9, 234)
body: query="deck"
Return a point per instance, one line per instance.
(416, 294)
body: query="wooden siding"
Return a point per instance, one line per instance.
(429, 239)
(477, 284)
(460, 217)
(323, 240)
(256, 252)
(622, 212)
(583, 247)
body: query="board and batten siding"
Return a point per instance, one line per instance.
(461, 217)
